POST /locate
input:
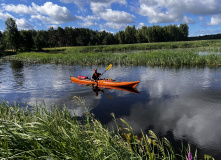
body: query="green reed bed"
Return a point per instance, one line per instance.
(175, 57)
(124, 48)
(44, 134)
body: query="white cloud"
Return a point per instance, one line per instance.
(161, 11)
(88, 21)
(156, 15)
(23, 24)
(49, 13)
(115, 25)
(188, 20)
(4, 16)
(117, 16)
(55, 14)
(19, 9)
(115, 19)
(215, 20)
(79, 3)
(108, 2)
(140, 25)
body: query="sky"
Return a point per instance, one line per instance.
(202, 16)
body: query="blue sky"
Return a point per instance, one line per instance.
(202, 16)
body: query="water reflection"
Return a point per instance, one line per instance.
(17, 72)
(207, 53)
(184, 102)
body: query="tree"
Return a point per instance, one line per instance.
(184, 30)
(27, 40)
(70, 36)
(130, 34)
(60, 36)
(51, 37)
(12, 34)
(120, 36)
(2, 42)
(39, 40)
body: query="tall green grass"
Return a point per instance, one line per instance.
(55, 134)
(143, 46)
(153, 58)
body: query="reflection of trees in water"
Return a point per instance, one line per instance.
(18, 73)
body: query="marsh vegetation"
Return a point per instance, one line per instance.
(164, 54)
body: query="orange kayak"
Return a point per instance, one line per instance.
(105, 82)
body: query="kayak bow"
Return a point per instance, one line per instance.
(105, 82)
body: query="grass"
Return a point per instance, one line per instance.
(161, 54)
(44, 134)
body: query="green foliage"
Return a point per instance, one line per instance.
(27, 41)
(39, 40)
(2, 42)
(12, 34)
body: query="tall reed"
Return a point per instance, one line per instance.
(177, 57)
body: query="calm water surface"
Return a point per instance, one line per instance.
(181, 104)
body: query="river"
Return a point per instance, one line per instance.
(183, 104)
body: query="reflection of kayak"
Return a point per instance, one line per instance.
(127, 89)
(105, 82)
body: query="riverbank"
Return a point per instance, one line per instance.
(45, 134)
(154, 54)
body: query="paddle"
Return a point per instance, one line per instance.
(109, 96)
(107, 68)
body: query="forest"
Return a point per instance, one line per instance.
(27, 40)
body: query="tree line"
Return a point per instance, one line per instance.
(27, 40)
(205, 37)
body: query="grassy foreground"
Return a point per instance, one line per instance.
(43, 134)
(163, 54)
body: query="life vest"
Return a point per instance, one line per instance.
(96, 75)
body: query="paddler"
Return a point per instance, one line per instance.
(95, 75)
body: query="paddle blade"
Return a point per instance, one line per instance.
(109, 67)
(110, 96)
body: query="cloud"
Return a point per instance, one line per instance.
(114, 19)
(88, 21)
(188, 20)
(117, 16)
(108, 2)
(200, 18)
(79, 3)
(53, 14)
(215, 20)
(140, 25)
(23, 24)
(115, 25)
(160, 11)
(49, 13)
(4, 16)
(19, 9)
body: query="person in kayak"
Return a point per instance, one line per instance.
(95, 75)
